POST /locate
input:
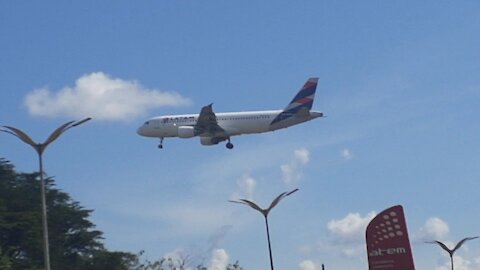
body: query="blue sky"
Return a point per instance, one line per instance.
(398, 81)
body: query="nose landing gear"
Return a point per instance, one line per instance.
(160, 146)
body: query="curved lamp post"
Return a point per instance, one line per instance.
(265, 214)
(40, 148)
(457, 246)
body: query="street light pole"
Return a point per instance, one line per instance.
(265, 215)
(40, 148)
(452, 251)
(269, 244)
(46, 249)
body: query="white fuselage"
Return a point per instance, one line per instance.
(213, 128)
(234, 123)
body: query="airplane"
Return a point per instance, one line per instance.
(213, 128)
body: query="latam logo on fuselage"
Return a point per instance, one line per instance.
(387, 251)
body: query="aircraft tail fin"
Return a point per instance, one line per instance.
(303, 101)
(301, 104)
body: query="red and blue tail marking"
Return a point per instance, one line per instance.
(303, 101)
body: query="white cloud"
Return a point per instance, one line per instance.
(434, 229)
(459, 263)
(247, 186)
(355, 250)
(350, 228)
(307, 265)
(292, 170)
(177, 258)
(348, 234)
(346, 154)
(100, 96)
(219, 260)
(477, 261)
(217, 237)
(302, 155)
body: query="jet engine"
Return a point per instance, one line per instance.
(210, 140)
(186, 132)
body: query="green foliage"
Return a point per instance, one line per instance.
(235, 266)
(168, 263)
(161, 264)
(74, 242)
(104, 260)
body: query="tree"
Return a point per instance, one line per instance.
(235, 266)
(181, 263)
(74, 242)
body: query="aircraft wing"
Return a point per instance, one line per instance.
(207, 123)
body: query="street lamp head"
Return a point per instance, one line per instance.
(40, 147)
(82, 121)
(442, 245)
(457, 246)
(55, 134)
(19, 134)
(272, 205)
(280, 197)
(252, 205)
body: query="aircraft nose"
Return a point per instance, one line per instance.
(146, 129)
(140, 131)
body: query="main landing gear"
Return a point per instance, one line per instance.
(229, 145)
(160, 146)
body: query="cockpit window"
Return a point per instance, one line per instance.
(146, 123)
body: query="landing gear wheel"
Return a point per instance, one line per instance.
(160, 146)
(229, 145)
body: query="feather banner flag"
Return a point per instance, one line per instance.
(388, 246)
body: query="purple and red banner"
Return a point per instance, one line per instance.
(388, 246)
